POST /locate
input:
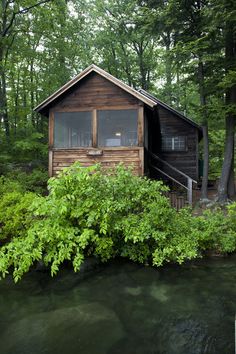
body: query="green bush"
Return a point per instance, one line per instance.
(91, 213)
(8, 185)
(217, 229)
(15, 214)
(35, 181)
(16, 198)
(88, 212)
(18, 180)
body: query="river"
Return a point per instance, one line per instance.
(122, 307)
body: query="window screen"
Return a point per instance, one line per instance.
(72, 129)
(176, 143)
(117, 127)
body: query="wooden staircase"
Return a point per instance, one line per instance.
(177, 200)
(181, 185)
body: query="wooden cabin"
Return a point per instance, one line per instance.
(97, 118)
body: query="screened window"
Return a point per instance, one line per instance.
(174, 143)
(72, 129)
(117, 127)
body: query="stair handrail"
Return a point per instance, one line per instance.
(170, 166)
(190, 180)
(170, 177)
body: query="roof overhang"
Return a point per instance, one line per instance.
(93, 68)
(141, 95)
(174, 111)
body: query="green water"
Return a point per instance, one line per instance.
(122, 308)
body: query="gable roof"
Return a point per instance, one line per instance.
(140, 94)
(87, 71)
(169, 108)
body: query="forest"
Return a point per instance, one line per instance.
(182, 51)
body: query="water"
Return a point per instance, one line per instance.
(122, 308)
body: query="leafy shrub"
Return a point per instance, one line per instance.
(35, 181)
(15, 214)
(8, 185)
(15, 203)
(17, 180)
(88, 212)
(30, 146)
(217, 229)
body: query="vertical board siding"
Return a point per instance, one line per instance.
(97, 92)
(185, 161)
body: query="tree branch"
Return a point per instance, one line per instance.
(23, 11)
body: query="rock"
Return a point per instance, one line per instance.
(85, 329)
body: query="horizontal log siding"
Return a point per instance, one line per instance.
(109, 159)
(185, 161)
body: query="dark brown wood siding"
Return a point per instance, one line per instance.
(94, 91)
(185, 161)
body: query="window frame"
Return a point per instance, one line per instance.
(94, 126)
(173, 149)
(137, 126)
(52, 130)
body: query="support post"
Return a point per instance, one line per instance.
(94, 129)
(190, 191)
(50, 163)
(141, 126)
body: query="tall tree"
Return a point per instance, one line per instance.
(10, 10)
(226, 186)
(125, 49)
(190, 28)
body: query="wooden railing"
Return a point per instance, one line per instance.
(189, 181)
(177, 200)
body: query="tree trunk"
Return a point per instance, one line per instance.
(228, 161)
(204, 189)
(226, 183)
(178, 84)
(3, 98)
(168, 69)
(201, 83)
(231, 184)
(126, 66)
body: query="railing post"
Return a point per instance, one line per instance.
(190, 191)
(190, 181)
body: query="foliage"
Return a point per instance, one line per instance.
(15, 215)
(32, 181)
(216, 152)
(88, 212)
(17, 180)
(8, 185)
(217, 229)
(16, 198)
(157, 45)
